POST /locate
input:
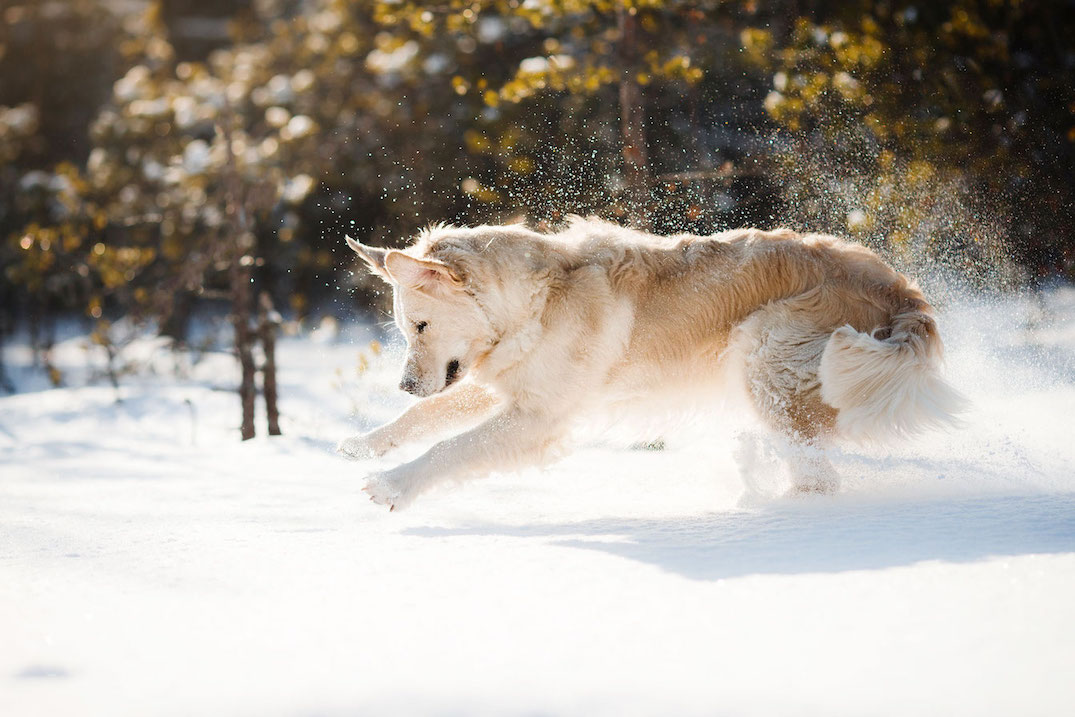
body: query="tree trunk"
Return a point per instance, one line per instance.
(110, 367)
(267, 328)
(6, 384)
(177, 324)
(633, 121)
(240, 273)
(244, 337)
(33, 314)
(48, 326)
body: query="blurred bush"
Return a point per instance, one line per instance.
(946, 129)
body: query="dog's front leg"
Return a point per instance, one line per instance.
(434, 414)
(509, 440)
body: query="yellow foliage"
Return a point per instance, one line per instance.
(477, 143)
(758, 45)
(521, 165)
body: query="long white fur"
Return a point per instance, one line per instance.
(885, 387)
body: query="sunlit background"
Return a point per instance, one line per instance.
(147, 149)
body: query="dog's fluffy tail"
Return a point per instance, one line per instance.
(891, 385)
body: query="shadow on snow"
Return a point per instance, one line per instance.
(806, 537)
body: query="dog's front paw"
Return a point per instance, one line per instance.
(389, 489)
(364, 446)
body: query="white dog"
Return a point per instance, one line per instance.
(512, 335)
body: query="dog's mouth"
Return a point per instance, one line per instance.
(451, 375)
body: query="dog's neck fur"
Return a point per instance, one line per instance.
(516, 328)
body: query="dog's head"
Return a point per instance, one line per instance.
(446, 329)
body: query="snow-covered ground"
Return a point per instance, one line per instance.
(151, 564)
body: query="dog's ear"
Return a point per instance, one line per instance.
(422, 274)
(373, 257)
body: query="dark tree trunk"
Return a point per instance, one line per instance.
(240, 274)
(6, 384)
(267, 328)
(633, 120)
(177, 324)
(33, 316)
(110, 367)
(244, 339)
(43, 337)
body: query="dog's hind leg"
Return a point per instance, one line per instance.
(811, 470)
(780, 360)
(464, 403)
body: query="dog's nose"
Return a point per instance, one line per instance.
(409, 384)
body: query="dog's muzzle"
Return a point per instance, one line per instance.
(409, 384)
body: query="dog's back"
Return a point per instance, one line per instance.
(830, 337)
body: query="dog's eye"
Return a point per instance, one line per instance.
(420, 326)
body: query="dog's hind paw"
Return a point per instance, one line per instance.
(811, 472)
